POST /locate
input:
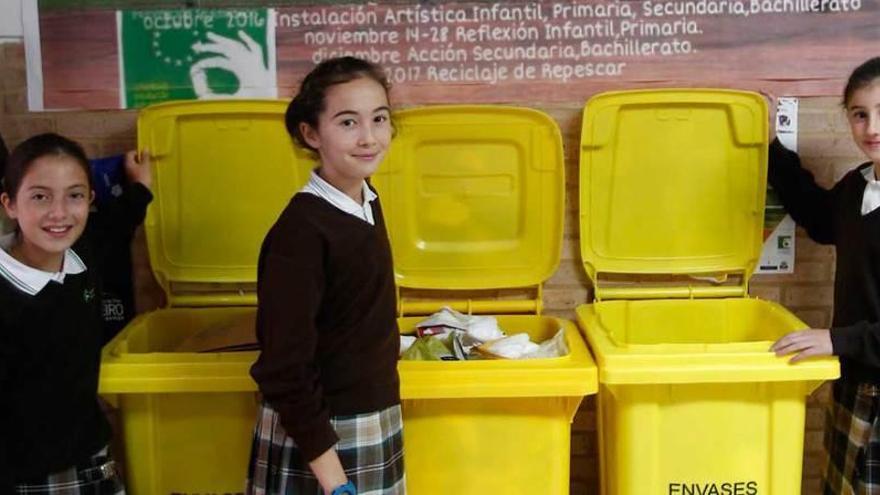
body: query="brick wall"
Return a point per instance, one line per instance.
(825, 147)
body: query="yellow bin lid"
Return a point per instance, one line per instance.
(672, 182)
(473, 197)
(223, 172)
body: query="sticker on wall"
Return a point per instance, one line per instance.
(777, 255)
(787, 122)
(195, 54)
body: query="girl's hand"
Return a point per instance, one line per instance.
(328, 470)
(804, 344)
(137, 168)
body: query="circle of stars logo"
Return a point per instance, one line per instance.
(167, 58)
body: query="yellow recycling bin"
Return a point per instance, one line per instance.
(224, 170)
(672, 186)
(473, 198)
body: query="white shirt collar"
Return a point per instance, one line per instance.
(323, 189)
(31, 280)
(871, 197)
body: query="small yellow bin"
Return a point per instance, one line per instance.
(473, 198)
(691, 401)
(223, 172)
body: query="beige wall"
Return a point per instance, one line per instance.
(825, 147)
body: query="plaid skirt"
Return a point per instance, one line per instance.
(370, 449)
(98, 476)
(852, 440)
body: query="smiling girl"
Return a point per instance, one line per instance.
(53, 433)
(846, 216)
(326, 318)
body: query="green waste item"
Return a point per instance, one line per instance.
(428, 349)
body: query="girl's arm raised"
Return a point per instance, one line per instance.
(810, 205)
(118, 220)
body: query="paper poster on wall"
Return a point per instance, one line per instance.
(462, 51)
(778, 253)
(196, 53)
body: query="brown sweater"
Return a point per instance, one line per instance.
(326, 320)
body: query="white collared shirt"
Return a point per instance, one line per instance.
(324, 190)
(871, 198)
(29, 279)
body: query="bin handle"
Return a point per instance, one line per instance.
(470, 306)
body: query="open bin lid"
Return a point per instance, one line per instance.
(672, 181)
(473, 197)
(223, 172)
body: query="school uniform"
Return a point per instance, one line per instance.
(327, 328)
(848, 217)
(53, 432)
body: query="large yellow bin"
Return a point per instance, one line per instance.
(224, 170)
(473, 198)
(690, 401)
